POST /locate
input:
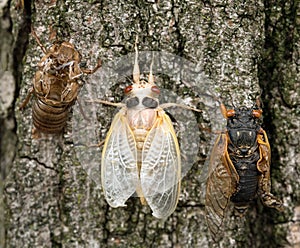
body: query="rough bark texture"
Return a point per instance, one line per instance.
(246, 48)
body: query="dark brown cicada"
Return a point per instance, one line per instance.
(239, 167)
(55, 86)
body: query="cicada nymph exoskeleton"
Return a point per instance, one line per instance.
(141, 152)
(55, 86)
(239, 169)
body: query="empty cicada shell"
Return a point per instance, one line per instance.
(239, 168)
(55, 86)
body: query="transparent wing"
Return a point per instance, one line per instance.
(119, 172)
(161, 169)
(219, 186)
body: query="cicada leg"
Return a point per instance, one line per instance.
(88, 71)
(25, 102)
(38, 40)
(263, 165)
(35, 133)
(168, 105)
(118, 104)
(101, 143)
(81, 109)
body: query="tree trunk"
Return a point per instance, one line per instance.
(243, 49)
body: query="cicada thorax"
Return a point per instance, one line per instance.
(141, 117)
(140, 122)
(243, 150)
(142, 112)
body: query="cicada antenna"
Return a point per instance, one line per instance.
(136, 68)
(151, 77)
(232, 102)
(258, 101)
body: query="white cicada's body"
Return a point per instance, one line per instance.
(141, 152)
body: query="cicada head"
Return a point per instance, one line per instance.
(66, 52)
(243, 125)
(142, 91)
(143, 84)
(246, 117)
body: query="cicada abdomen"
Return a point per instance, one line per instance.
(55, 86)
(48, 118)
(239, 167)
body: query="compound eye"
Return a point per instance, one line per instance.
(230, 113)
(128, 89)
(257, 113)
(155, 89)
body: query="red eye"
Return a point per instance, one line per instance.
(226, 113)
(128, 89)
(230, 113)
(257, 113)
(155, 89)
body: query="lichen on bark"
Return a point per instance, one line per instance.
(244, 48)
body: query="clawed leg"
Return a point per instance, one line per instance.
(101, 143)
(38, 40)
(81, 109)
(118, 104)
(35, 133)
(88, 71)
(25, 102)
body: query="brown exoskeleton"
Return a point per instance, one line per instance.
(56, 86)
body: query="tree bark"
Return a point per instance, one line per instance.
(244, 49)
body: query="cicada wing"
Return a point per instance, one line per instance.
(161, 168)
(263, 165)
(219, 185)
(119, 174)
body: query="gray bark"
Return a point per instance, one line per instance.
(245, 49)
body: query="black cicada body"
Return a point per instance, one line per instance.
(239, 167)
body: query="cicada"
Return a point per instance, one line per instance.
(239, 169)
(141, 152)
(55, 86)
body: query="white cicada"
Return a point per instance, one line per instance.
(141, 151)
